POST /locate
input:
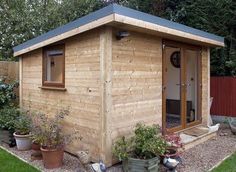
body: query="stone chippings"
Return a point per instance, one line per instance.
(198, 159)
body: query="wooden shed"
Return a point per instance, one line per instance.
(114, 68)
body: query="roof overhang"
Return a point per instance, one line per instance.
(121, 15)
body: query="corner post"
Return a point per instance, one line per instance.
(106, 98)
(20, 81)
(209, 120)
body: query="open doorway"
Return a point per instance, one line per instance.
(181, 87)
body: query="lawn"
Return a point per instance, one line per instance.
(228, 165)
(9, 163)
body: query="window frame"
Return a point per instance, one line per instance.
(44, 70)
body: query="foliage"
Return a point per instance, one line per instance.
(22, 124)
(122, 148)
(214, 16)
(146, 143)
(8, 115)
(173, 140)
(10, 163)
(49, 132)
(21, 20)
(7, 94)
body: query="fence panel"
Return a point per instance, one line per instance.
(223, 91)
(9, 70)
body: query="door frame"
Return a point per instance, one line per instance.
(183, 47)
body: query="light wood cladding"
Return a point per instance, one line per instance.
(82, 95)
(205, 85)
(136, 82)
(111, 85)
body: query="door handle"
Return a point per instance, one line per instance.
(184, 84)
(163, 88)
(181, 84)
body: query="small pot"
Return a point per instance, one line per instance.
(52, 158)
(23, 142)
(35, 146)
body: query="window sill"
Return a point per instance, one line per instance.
(53, 88)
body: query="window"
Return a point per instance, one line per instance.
(54, 66)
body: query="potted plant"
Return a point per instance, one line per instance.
(174, 144)
(141, 151)
(22, 126)
(52, 139)
(171, 157)
(8, 114)
(36, 130)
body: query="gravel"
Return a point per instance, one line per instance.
(198, 159)
(208, 154)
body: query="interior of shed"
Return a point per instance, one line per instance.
(173, 86)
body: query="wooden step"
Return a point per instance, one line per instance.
(191, 141)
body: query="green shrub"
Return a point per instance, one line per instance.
(7, 94)
(8, 116)
(147, 143)
(22, 124)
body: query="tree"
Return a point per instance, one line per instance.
(21, 20)
(214, 16)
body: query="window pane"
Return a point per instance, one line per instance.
(54, 66)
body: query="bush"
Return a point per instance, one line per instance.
(7, 94)
(22, 124)
(147, 143)
(48, 131)
(8, 115)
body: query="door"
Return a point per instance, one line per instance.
(181, 84)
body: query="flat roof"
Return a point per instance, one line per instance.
(112, 10)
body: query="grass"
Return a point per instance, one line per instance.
(10, 163)
(228, 165)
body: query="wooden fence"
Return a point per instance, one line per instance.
(223, 91)
(9, 70)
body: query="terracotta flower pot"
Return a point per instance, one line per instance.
(23, 142)
(35, 146)
(52, 158)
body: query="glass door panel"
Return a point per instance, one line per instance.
(192, 83)
(173, 88)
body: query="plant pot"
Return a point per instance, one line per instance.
(36, 146)
(23, 142)
(140, 165)
(172, 153)
(233, 127)
(52, 158)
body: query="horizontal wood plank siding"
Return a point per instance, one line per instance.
(136, 82)
(82, 95)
